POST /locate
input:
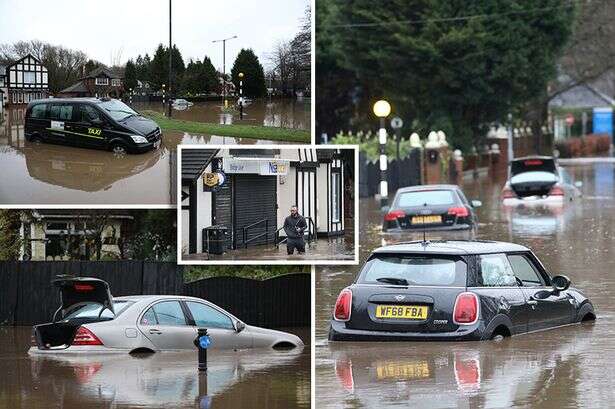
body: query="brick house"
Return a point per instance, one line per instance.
(100, 82)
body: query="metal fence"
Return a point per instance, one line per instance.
(282, 301)
(28, 298)
(400, 173)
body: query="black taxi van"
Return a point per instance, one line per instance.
(100, 123)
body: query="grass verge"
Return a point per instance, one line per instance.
(236, 131)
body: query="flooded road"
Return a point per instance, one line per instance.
(279, 113)
(255, 379)
(561, 368)
(341, 248)
(55, 174)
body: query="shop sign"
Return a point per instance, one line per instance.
(265, 167)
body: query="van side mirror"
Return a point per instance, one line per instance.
(560, 283)
(239, 326)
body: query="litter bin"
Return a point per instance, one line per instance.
(214, 239)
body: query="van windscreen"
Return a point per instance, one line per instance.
(117, 109)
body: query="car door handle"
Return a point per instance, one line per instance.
(155, 331)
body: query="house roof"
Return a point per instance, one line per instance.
(23, 58)
(77, 87)
(194, 162)
(582, 96)
(102, 71)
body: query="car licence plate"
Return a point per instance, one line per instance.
(426, 219)
(402, 370)
(404, 312)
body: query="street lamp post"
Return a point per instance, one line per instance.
(170, 58)
(164, 101)
(223, 41)
(382, 109)
(241, 95)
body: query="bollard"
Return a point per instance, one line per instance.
(240, 109)
(202, 342)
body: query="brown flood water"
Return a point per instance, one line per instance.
(323, 249)
(240, 379)
(568, 367)
(55, 174)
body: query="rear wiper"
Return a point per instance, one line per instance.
(393, 280)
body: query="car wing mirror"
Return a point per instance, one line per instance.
(385, 209)
(476, 203)
(560, 283)
(239, 326)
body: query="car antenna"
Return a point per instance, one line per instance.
(424, 243)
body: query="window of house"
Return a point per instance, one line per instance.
(102, 81)
(29, 77)
(336, 200)
(116, 82)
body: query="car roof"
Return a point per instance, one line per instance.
(452, 247)
(532, 157)
(154, 297)
(76, 99)
(420, 188)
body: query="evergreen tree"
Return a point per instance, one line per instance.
(130, 76)
(254, 76)
(466, 72)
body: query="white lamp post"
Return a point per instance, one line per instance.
(382, 109)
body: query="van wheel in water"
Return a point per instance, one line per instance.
(37, 140)
(118, 149)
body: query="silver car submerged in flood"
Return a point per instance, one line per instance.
(90, 320)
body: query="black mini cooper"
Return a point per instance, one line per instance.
(454, 290)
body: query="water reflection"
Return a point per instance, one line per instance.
(564, 367)
(267, 379)
(56, 174)
(281, 113)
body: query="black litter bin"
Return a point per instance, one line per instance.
(214, 239)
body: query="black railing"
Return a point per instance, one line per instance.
(249, 226)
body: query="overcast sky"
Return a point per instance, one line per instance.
(105, 28)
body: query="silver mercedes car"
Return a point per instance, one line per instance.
(90, 320)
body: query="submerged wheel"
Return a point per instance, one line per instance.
(36, 139)
(119, 149)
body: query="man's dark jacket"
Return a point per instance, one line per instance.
(292, 224)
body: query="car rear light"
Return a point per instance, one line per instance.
(556, 191)
(85, 337)
(459, 211)
(508, 193)
(466, 309)
(394, 215)
(343, 305)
